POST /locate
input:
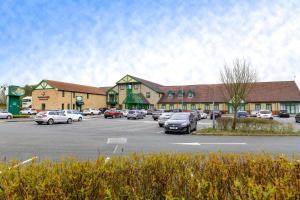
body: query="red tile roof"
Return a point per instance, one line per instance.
(76, 87)
(278, 91)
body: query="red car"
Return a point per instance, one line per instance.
(113, 114)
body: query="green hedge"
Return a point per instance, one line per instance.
(254, 124)
(21, 116)
(163, 176)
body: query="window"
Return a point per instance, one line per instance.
(206, 106)
(129, 87)
(136, 86)
(190, 94)
(68, 106)
(87, 96)
(269, 106)
(147, 94)
(73, 106)
(63, 93)
(122, 87)
(180, 93)
(62, 106)
(73, 94)
(171, 106)
(184, 107)
(257, 107)
(193, 107)
(43, 106)
(170, 93)
(163, 106)
(216, 106)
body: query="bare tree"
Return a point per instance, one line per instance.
(2, 94)
(238, 81)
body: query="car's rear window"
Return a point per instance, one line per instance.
(131, 112)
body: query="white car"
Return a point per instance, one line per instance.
(202, 114)
(74, 114)
(125, 113)
(52, 117)
(91, 111)
(265, 114)
(5, 115)
(28, 111)
(163, 118)
(144, 112)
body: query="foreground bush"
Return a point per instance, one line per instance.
(164, 176)
(254, 125)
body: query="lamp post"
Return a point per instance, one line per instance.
(181, 98)
(213, 109)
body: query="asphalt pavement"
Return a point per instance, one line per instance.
(108, 137)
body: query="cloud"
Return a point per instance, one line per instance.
(163, 43)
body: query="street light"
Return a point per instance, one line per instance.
(213, 113)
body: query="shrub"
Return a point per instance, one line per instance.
(254, 124)
(162, 176)
(21, 116)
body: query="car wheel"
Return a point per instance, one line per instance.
(188, 130)
(80, 119)
(166, 132)
(8, 117)
(69, 121)
(105, 117)
(29, 113)
(50, 122)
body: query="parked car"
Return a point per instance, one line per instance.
(242, 114)
(150, 111)
(283, 113)
(297, 117)
(265, 114)
(5, 115)
(203, 114)
(254, 113)
(181, 123)
(163, 118)
(125, 113)
(52, 117)
(74, 114)
(216, 113)
(91, 111)
(144, 112)
(156, 114)
(113, 113)
(28, 111)
(135, 114)
(196, 114)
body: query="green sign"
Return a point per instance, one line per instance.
(15, 91)
(79, 101)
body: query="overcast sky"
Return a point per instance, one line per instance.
(168, 42)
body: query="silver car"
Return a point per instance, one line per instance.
(5, 115)
(163, 118)
(135, 114)
(51, 117)
(74, 114)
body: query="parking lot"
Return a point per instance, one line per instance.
(108, 137)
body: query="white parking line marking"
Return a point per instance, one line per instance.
(116, 140)
(22, 163)
(217, 143)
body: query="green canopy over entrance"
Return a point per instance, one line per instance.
(136, 101)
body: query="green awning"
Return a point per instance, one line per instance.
(135, 99)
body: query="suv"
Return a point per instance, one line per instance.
(28, 111)
(74, 114)
(134, 114)
(91, 111)
(51, 117)
(283, 113)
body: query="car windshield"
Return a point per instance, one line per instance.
(131, 112)
(265, 112)
(179, 116)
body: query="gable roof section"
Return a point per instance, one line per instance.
(151, 85)
(279, 91)
(71, 87)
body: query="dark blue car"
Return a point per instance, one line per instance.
(242, 114)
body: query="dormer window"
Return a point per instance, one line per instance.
(170, 94)
(190, 94)
(180, 93)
